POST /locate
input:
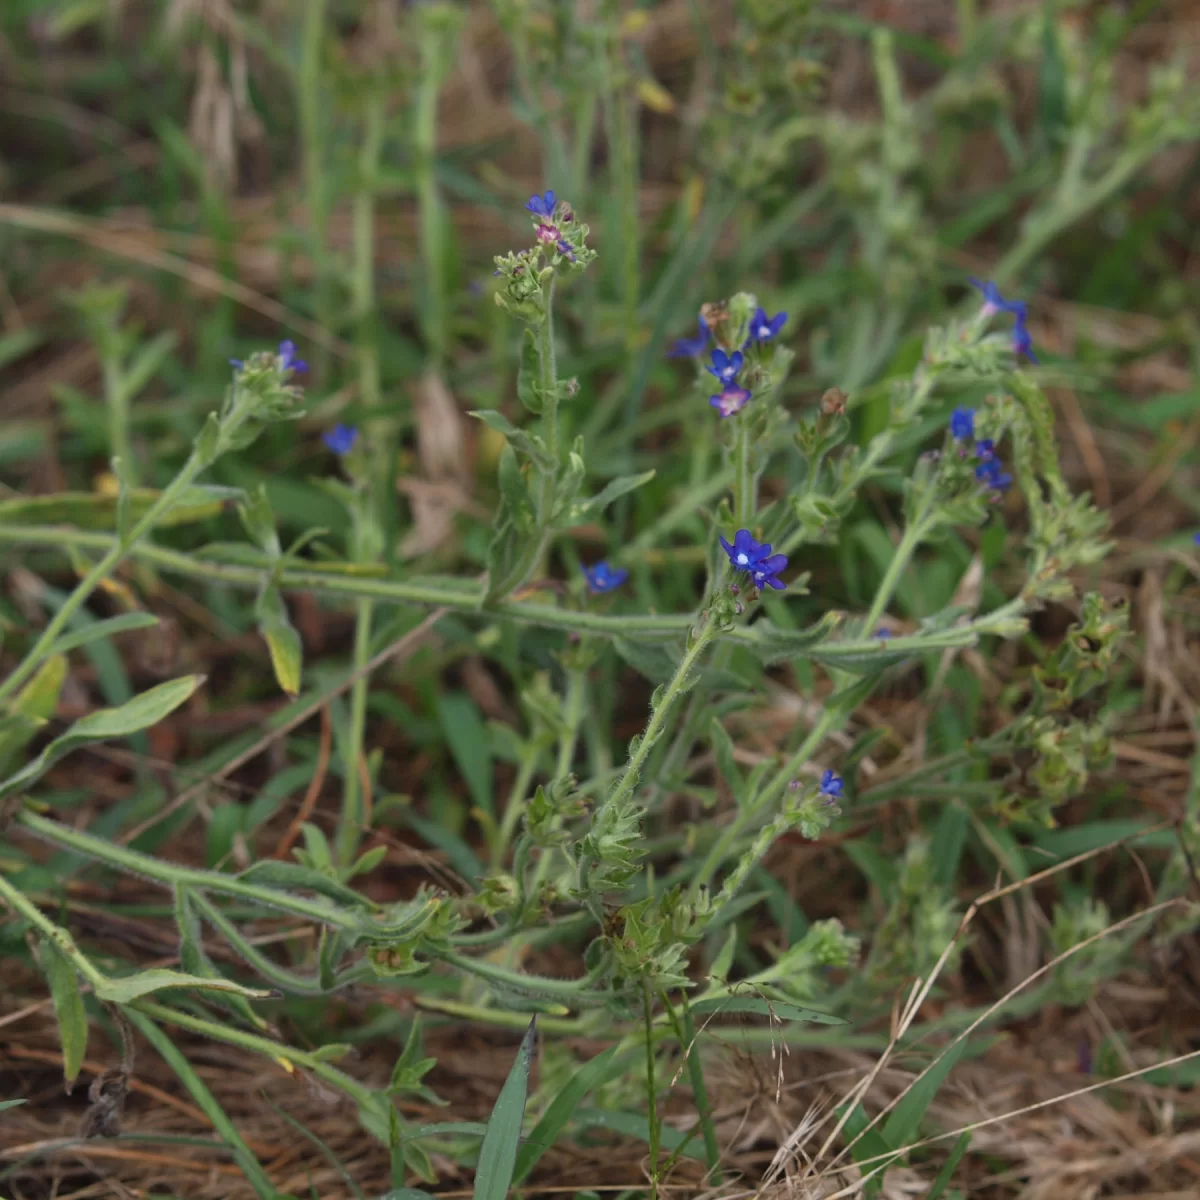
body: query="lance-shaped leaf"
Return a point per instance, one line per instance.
(106, 723)
(498, 1154)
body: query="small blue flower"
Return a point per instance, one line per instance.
(1022, 342)
(542, 206)
(287, 357)
(756, 559)
(764, 328)
(691, 347)
(995, 302)
(341, 438)
(725, 366)
(991, 474)
(565, 250)
(882, 633)
(731, 399)
(1196, 538)
(831, 785)
(962, 423)
(985, 449)
(603, 578)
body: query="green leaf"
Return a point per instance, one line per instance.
(209, 1105)
(103, 629)
(534, 447)
(468, 740)
(613, 490)
(905, 1119)
(139, 713)
(771, 644)
(92, 510)
(283, 642)
(950, 1166)
(498, 1154)
(528, 391)
(591, 1075)
(68, 1008)
(289, 876)
(761, 1006)
(33, 707)
(133, 987)
(868, 1144)
(722, 745)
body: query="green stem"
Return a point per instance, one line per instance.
(689, 1044)
(116, 551)
(515, 806)
(171, 875)
(61, 939)
(569, 991)
(348, 834)
(624, 171)
(455, 595)
(116, 399)
(766, 799)
(651, 1090)
(310, 101)
(914, 534)
(276, 1051)
(429, 201)
(745, 501)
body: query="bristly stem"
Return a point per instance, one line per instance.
(745, 485)
(429, 201)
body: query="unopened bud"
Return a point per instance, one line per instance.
(833, 403)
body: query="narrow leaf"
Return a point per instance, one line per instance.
(761, 1006)
(11, 1104)
(905, 1119)
(103, 629)
(133, 987)
(137, 714)
(554, 1120)
(498, 1154)
(528, 391)
(950, 1166)
(68, 1008)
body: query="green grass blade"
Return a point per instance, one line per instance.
(207, 1103)
(554, 1120)
(950, 1166)
(905, 1119)
(68, 1008)
(498, 1155)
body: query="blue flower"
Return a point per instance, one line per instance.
(542, 206)
(882, 633)
(985, 449)
(1022, 342)
(962, 423)
(341, 438)
(764, 328)
(831, 785)
(731, 399)
(691, 347)
(1196, 538)
(603, 578)
(725, 366)
(756, 559)
(995, 302)
(565, 250)
(287, 357)
(991, 474)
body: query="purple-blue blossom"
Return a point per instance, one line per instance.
(730, 399)
(994, 302)
(992, 475)
(603, 578)
(691, 347)
(287, 357)
(1022, 341)
(341, 438)
(831, 785)
(725, 366)
(756, 559)
(542, 206)
(764, 328)
(962, 424)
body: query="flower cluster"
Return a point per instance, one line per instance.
(286, 356)
(727, 363)
(756, 559)
(994, 302)
(988, 469)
